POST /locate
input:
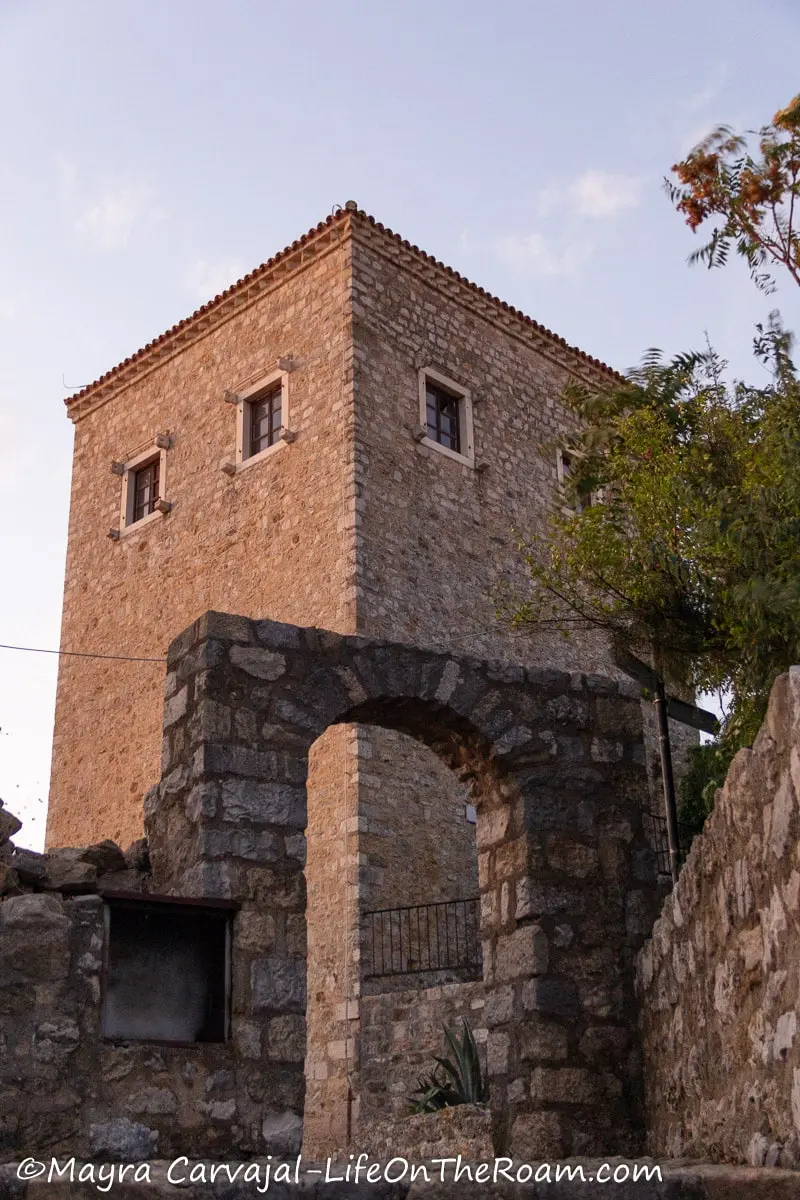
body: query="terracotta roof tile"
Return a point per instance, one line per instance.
(338, 217)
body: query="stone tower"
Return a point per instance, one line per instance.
(348, 437)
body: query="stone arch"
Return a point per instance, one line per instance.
(556, 766)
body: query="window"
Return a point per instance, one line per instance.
(167, 975)
(265, 420)
(262, 420)
(442, 416)
(143, 486)
(566, 466)
(445, 416)
(145, 490)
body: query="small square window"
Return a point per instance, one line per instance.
(167, 972)
(445, 416)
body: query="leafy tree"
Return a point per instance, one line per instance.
(755, 201)
(689, 551)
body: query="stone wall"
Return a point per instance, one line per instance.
(353, 526)
(400, 1034)
(269, 541)
(66, 1089)
(416, 845)
(555, 766)
(433, 536)
(719, 983)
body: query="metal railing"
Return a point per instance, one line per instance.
(423, 937)
(655, 826)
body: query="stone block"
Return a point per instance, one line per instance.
(68, 872)
(121, 1140)
(35, 912)
(213, 759)
(30, 866)
(538, 1136)
(576, 859)
(521, 954)
(278, 985)
(175, 707)
(552, 997)
(543, 1041)
(282, 1132)
(106, 856)
(264, 803)
(277, 635)
(285, 1039)
(9, 824)
(499, 1007)
(536, 899)
(255, 845)
(260, 663)
(497, 1052)
(563, 1085)
(9, 881)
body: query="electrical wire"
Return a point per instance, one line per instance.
(82, 654)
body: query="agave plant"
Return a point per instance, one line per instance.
(455, 1080)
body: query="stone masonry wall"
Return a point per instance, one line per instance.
(416, 843)
(66, 1090)
(269, 541)
(434, 536)
(719, 982)
(400, 1034)
(555, 766)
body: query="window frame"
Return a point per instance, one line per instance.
(153, 453)
(217, 910)
(564, 461)
(466, 454)
(244, 405)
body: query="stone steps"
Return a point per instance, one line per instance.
(680, 1181)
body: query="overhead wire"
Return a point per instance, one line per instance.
(82, 654)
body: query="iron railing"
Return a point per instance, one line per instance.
(423, 937)
(655, 826)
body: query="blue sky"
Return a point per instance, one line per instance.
(154, 152)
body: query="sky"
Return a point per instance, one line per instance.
(155, 151)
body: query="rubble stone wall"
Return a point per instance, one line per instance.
(66, 1090)
(415, 842)
(554, 764)
(719, 982)
(401, 1032)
